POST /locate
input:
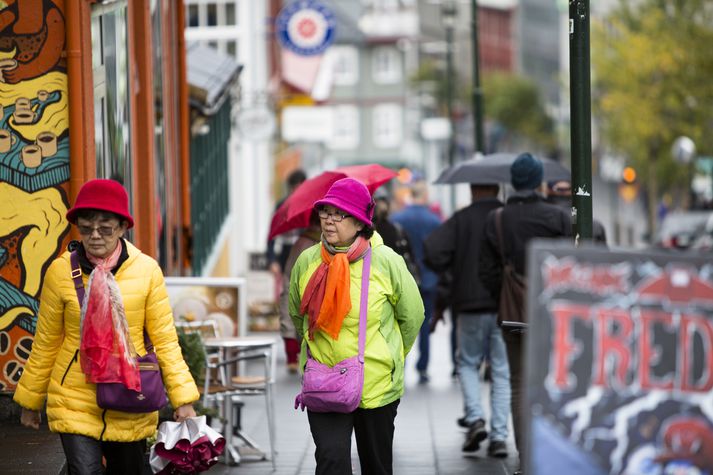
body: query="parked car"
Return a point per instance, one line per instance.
(704, 240)
(680, 229)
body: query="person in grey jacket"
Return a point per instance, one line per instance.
(455, 247)
(525, 216)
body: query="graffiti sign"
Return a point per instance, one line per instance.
(626, 385)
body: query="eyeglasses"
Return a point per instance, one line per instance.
(102, 230)
(337, 216)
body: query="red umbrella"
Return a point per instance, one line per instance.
(294, 212)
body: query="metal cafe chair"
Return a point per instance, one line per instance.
(214, 390)
(224, 385)
(235, 350)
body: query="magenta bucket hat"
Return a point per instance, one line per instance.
(350, 196)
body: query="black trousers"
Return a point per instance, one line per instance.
(374, 431)
(515, 342)
(84, 456)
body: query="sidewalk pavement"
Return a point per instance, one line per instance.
(427, 440)
(30, 451)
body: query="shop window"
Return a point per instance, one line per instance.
(386, 65)
(232, 48)
(110, 64)
(346, 128)
(387, 125)
(230, 14)
(346, 65)
(212, 14)
(192, 15)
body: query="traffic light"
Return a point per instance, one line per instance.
(628, 189)
(628, 175)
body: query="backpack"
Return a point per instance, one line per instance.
(512, 310)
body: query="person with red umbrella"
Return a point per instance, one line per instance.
(277, 263)
(326, 304)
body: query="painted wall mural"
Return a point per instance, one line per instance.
(34, 167)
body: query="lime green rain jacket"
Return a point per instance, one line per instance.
(394, 317)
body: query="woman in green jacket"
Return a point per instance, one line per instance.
(325, 290)
(125, 296)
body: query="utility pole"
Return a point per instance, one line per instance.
(448, 15)
(477, 92)
(581, 118)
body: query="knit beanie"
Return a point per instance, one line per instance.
(526, 172)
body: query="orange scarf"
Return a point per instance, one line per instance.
(326, 299)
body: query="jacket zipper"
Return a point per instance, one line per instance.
(71, 362)
(101, 436)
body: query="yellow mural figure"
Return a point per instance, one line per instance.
(42, 214)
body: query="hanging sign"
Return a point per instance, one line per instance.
(306, 27)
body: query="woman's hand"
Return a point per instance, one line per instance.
(184, 412)
(29, 418)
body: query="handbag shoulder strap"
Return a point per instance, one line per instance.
(79, 288)
(365, 273)
(499, 230)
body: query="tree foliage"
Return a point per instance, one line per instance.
(511, 101)
(515, 103)
(652, 62)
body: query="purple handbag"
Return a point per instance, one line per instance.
(338, 388)
(116, 396)
(152, 397)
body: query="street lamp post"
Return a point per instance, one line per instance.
(477, 92)
(448, 16)
(581, 127)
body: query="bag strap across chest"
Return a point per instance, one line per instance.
(501, 241)
(79, 288)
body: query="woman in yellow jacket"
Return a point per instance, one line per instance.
(126, 295)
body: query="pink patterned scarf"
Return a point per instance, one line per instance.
(106, 350)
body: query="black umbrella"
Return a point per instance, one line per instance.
(495, 168)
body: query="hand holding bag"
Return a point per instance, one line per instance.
(338, 388)
(116, 396)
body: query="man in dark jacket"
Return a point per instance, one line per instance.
(525, 216)
(455, 247)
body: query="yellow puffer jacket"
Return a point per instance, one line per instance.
(54, 371)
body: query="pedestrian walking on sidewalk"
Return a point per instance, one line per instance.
(455, 248)
(277, 252)
(308, 238)
(325, 288)
(418, 220)
(125, 298)
(525, 216)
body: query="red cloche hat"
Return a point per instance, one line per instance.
(103, 195)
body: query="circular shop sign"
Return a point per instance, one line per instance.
(306, 27)
(256, 123)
